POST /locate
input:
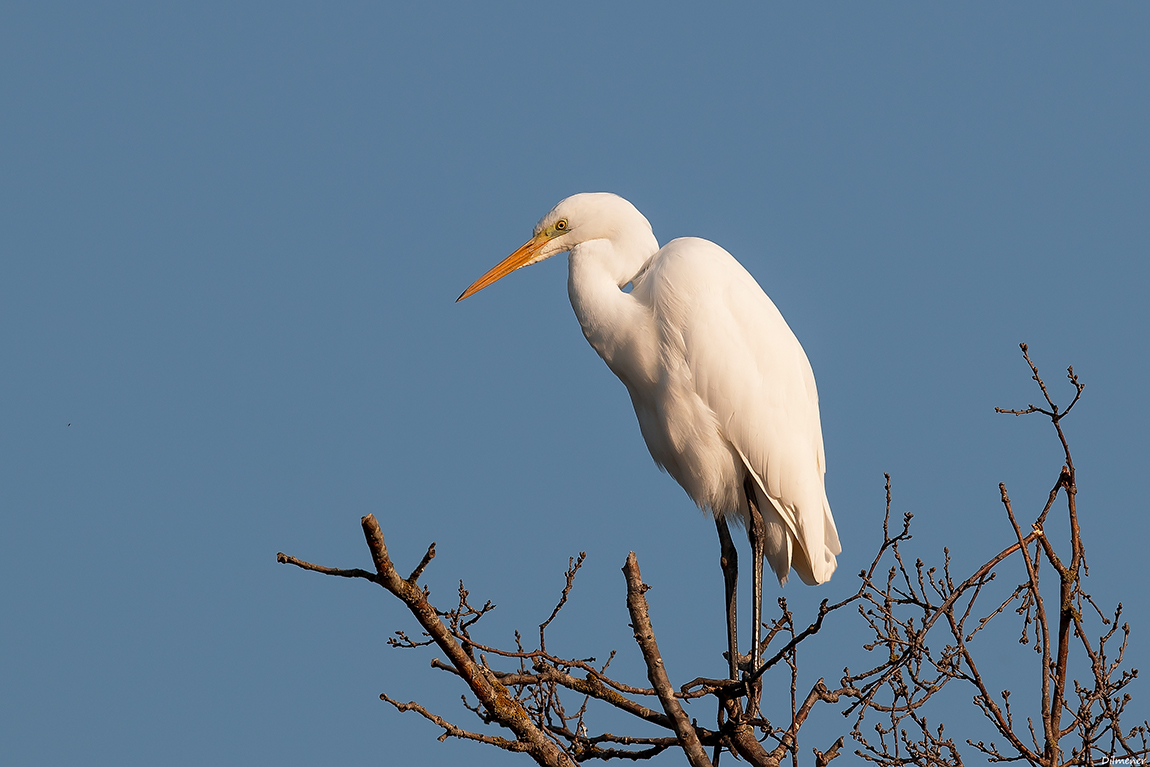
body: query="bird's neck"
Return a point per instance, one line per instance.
(616, 325)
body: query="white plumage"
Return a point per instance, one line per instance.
(735, 395)
(721, 386)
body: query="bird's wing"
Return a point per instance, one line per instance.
(750, 370)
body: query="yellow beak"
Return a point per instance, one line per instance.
(522, 257)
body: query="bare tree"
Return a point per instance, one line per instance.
(921, 622)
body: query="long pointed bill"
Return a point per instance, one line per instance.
(522, 257)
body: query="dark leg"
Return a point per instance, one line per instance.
(729, 560)
(757, 533)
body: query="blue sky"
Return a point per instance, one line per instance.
(232, 236)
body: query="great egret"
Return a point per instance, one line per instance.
(723, 391)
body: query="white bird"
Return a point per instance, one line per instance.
(723, 391)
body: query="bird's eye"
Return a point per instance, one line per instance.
(561, 225)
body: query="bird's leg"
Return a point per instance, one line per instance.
(729, 560)
(757, 533)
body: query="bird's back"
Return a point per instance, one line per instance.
(735, 393)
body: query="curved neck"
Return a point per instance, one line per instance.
(615, 324)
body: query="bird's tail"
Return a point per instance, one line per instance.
(808, 545)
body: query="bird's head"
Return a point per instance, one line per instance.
(578, 219)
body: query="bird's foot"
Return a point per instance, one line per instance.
(742, 661)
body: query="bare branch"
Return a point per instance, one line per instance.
(645, 638)
(450, 730)
(572, 568)
(284, 559)
(423, 563)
